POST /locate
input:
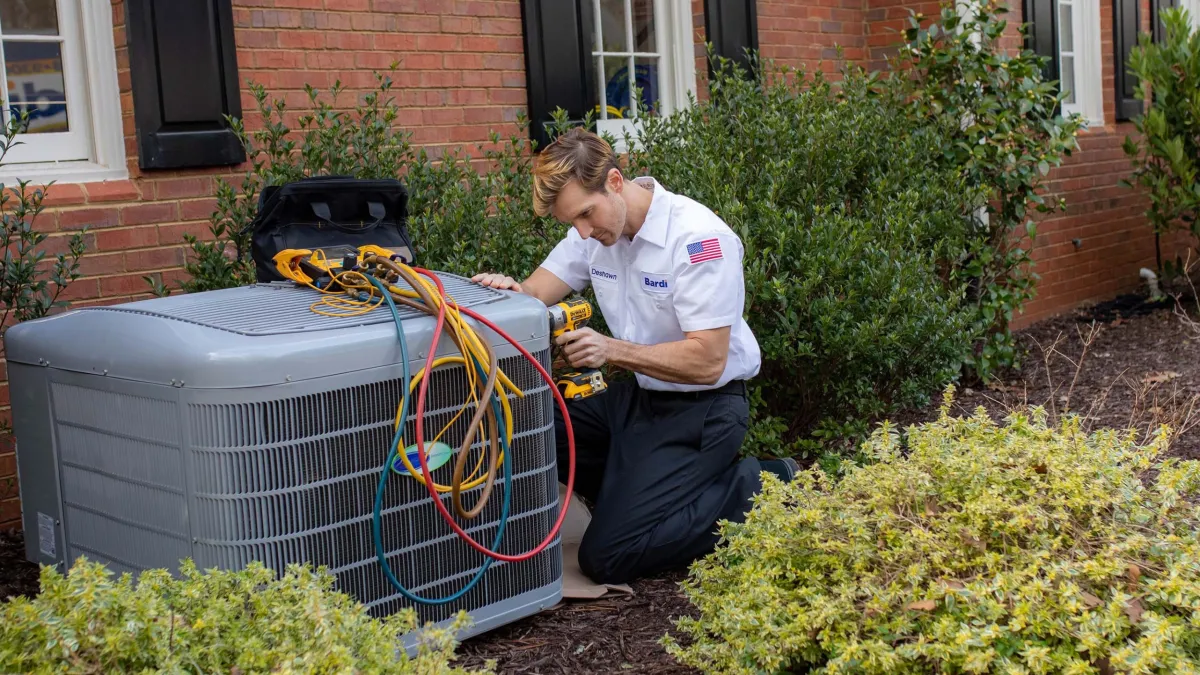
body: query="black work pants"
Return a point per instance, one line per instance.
(661, 468)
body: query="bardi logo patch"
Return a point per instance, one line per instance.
(656, 283)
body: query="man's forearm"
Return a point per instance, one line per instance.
(686, 361)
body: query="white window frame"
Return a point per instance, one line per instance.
(676, 52)
(94, 149)
(1193, 10)
(1089, 84)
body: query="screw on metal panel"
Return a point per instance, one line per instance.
(106, 371)
(288, 378)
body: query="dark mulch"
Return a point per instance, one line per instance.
(1121, 364)
(618, 634)
(17, 576)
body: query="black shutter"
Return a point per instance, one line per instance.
(558, 61)
(183, 67)
(1157, 29)
(732, 27)
(1126, 25)
(1042, 35)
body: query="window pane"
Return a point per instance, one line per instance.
(31, 17)
(1066, 27)
(1067, 64)
(35, 84)
(613, 23)
(643, 26)
(616, 86)
(645, 74)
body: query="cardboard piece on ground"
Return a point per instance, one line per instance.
(575, 583)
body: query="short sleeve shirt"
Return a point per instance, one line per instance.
(681, 272)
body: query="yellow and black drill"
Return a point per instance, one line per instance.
(567, 316)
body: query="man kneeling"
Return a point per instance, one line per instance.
(658, 457)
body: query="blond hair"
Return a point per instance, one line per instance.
(576, 155)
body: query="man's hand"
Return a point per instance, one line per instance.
(585, 348)
(497, 281)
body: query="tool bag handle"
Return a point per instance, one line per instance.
(333, 213)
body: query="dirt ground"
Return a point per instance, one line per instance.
(1120, 364)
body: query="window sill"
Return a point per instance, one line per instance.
(60, 172)
(617, 128)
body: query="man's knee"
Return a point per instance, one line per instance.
(605, 562)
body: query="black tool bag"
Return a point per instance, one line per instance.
(336, 214)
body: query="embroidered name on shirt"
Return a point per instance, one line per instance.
(601, 273)
(702, 251)
(655, 283)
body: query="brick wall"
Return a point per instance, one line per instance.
(806, 34)
(462, 74)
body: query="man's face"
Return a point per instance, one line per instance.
(594, 215)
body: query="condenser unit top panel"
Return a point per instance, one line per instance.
(250, 336)
(276, 309)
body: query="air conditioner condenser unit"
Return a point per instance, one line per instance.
(238, 425)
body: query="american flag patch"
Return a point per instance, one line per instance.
(700, 251)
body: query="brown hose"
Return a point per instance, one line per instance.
(480, 410)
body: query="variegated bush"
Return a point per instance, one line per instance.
(969, 546)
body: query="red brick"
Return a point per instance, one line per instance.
(397, 42)
(375, 22)
(500, 26)
(259, 39)
(173, 234)
(357, 41)
(180, 188)
(81, 289)
(480, 43)
(94, 264)
(438, 43)
(8, 463)
(422, 61)
(504, 62)
(63, 194)
(142, 214)
(153, 259)
(508, 96)
(483, 115)
(460, 24)
(278, 59)
(10, 512)
(127, 238)
(197, 209)
(112, 191)
(347, 5)
(463, 61)
(329, 60)
(77, 219)
(296, 39)
(444, 116)
(130, 284)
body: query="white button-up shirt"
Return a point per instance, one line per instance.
(681, 272)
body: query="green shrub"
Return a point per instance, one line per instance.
(1006, 134)
(973, 547)
(1166, 156)
(212, 622)
(463, 220)
(847, 230)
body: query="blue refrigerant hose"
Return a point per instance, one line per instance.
(376, 529)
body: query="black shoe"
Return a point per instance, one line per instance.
(785, 468)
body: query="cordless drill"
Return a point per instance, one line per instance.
(567, 316)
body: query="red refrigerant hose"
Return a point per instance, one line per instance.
(420, 423)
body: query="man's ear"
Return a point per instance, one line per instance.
(614, 181)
